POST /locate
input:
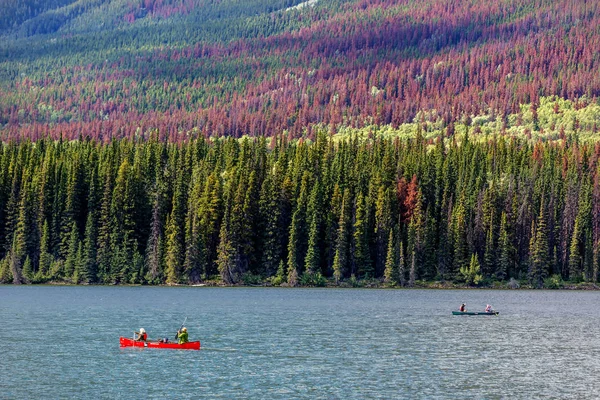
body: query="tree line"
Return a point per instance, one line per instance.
(476, 209)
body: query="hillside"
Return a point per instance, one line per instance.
(123, 68)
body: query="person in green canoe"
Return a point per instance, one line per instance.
(182, 335)
(463, 308)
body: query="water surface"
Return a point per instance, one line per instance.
(63, 342)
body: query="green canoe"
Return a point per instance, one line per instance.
(474, 313)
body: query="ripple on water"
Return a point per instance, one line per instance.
(299, 343)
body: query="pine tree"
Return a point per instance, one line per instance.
(312, 260)
(538, 250)
(401, 265)
(471, 274)
(78, 273)
(89, 265)
(489, 257)
(391, 275)
(270, 213)
(340, 261)
(18, 250)
(383, 223)
(71, 255)
(105, 229)
(505, 250)
(297, 245)
(575, 270)
(229, 257)
(28, 270)
(15, 257)
(155, 246)
(361, 255)
(45, 256)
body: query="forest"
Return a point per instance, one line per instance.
(329, 211)
(329, 142)
(124, 68)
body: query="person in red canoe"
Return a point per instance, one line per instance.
(182, 335)
(141, 335)
(463, 307)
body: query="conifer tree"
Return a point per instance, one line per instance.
(105, 229)
(340, 261)
(383, 223)
(71, 255)
(175, 237)
(155, 246)
(538, 249)
(361, 256)
(575, 270)
(314, 216)
(297, 245)
(28, 270)
(391, 275)
(270, 214)
(45, 256)
(505, 250)
(228, 259)
(489, 256)
(401, 265)
(88, 263)
(78, 273)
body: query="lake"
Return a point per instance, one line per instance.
(277, 343)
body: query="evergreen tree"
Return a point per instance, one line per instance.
(314, 216)
(340, 261)
(575, 270)
(270, 214)
(71, 255)
(28, 274)
(505, 250)
(391, 273)
(489, 257)
(45, 256)
(361, 256)
(471, 274)
(298, 244)
(401, 265)
(538, 250)
(89, 265)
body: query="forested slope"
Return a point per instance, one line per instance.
(123, 68)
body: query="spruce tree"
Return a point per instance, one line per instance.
(391, 275)
(361, 256)
(538, 250)
(89, 265)
(298, 243)
(45, 256)
(71, 255)
(505, 250)
(312, 260)
(340, 260)
(575, 270)
(270, 213)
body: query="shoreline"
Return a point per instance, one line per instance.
(429, 285)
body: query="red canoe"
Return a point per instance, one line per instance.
(126, 342)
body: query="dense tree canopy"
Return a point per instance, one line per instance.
(299, 211)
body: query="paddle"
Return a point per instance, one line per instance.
(177, 335)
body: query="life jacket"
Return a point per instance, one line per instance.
(144, 336)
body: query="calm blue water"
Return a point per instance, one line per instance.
(63, 342)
